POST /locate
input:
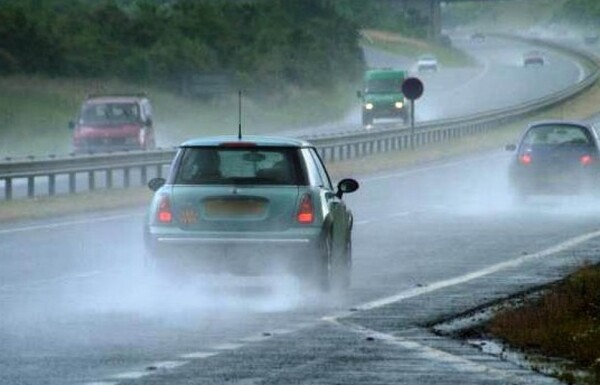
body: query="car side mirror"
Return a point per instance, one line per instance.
(346, 186)
(510, 147)
(156, 183)
(71, 125)
(359, 94)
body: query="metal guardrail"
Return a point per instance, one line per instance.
(332, 147)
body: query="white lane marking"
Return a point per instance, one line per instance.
(256, 338)
(50, 226)
(419, 170)
(384, 218)
(157, 367)
(63, 278)
(480, 75)
(434, 355)
(228, 346)
(581, 72)
(131, 375)
(100, 383)
(198, 355)
(417, 291)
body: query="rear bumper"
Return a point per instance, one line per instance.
(226, 241)
(572, 183)
(172, 239)
(241, 253)
(386, 112)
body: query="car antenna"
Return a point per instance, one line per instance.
(240, 115)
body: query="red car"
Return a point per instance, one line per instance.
(114, 123)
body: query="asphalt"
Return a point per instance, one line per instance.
(393, 343)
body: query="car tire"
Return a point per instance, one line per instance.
(333, 274)
(345, 276)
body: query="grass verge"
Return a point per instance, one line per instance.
(413, 48)
(564, 322)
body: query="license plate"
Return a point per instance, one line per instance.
(224, 208)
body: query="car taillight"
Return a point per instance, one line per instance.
(586, 160)
(306, 212)
(525, 159)
(164, 215)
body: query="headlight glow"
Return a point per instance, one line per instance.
(399, 105)
(369, 106)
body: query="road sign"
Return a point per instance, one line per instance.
(412, 88)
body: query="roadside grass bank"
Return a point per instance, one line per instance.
(413, 48)
(580, 107)
(564, 322)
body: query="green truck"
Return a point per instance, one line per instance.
(382, 96)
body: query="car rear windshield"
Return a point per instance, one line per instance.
(245, 166)
(110, 113)
(557, 134)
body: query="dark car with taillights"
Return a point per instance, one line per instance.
(257, 201)
(555, 157)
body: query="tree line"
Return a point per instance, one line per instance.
(268, 45)
(586, 12)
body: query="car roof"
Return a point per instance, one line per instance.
(384, 73)
(114, 98)
(558, 122)
(259, 140)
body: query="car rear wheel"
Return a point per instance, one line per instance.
(333, 273)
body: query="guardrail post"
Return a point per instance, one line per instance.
(51, 184)
(8, 188)
(30, 187)
(72, 183)
(144, 175)
(91, 180)
(126, 177)
(328, 151)
(109, 178)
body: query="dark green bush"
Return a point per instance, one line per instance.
(268, 45)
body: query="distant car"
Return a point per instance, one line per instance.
(533, 58)
(257, 201)
(114, 123)
(478, 37)
(555, 157)
(427, 63)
